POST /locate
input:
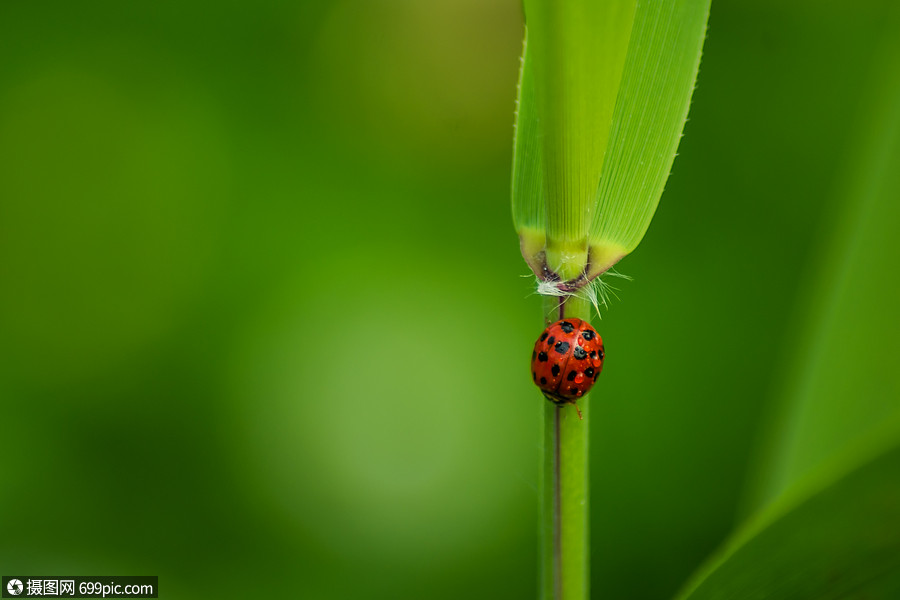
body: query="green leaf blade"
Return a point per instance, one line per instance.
(827, 497)
(603, 97)
(572, 68)
(845, 382)
(652, 107)
(578, 50)
(836, 540)
(528, 198)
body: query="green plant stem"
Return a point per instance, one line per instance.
(565, 532)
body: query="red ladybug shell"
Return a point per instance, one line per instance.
(567, 360)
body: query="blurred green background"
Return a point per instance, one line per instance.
(264, 325)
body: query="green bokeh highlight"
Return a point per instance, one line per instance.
(263, 325)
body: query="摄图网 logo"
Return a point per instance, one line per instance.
(14, 587)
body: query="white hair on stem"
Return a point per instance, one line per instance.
(598, 291)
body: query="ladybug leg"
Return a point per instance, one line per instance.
(561, 402)
(555, 399)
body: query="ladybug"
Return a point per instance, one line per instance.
(567, 360)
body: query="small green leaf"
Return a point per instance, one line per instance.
(572, 67)
(663, 60)
(603, 96)
(529, 201)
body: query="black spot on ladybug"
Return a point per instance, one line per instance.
(593, 354)
(589, 372)
(534, 376)
(571, 376)
(562, 347)
(551, 341)
(555, 370)
(601, 354)
(542, 356)
(579, 353)
(544, 336)
(543, 381)
(567, 327)
(596, 375)
(573, 390)
(587, 335)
